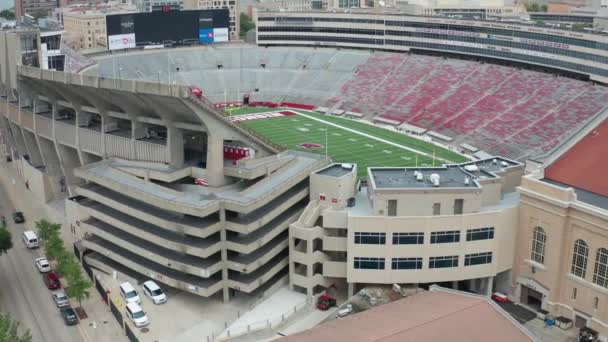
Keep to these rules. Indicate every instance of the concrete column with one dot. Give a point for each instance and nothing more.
(224, 252)
(489, 285)
(175, 148)
(455, 285)
(215, 160)
(351, 290)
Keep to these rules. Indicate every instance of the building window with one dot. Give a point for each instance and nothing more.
(445, 237)
(579, 258)
(458, 205)
(539, 238)
(406, 264)
(362, 238)
(443, 261)
(574, 293)
(480, 234)
(478, 259)
(408, 238)
(392, 207)
(369, 263)
(600, 272)
(596, 302)
(436, 208)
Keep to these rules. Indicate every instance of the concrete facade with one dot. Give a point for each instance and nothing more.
(405, 225)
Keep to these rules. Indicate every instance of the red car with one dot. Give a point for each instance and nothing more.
(51, 281)
(499, 297)
(196, 91)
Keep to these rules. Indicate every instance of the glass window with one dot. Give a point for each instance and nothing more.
(443, 261)
(600, 272)
(406, 264)
(478, 259)
(539, 238)
(369, 263)
(363, 238)
(436, 208)
(445, 236)
(579, 258)
(480, 234)
(408, 238)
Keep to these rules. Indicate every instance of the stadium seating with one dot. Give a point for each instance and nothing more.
(503, 110)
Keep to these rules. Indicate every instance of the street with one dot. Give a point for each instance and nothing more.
(22, 292)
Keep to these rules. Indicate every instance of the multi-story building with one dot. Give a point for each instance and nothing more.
(561, 261)
(231, 5)
(85, 27)
(408, 226)
(159, 5)
(44, 7)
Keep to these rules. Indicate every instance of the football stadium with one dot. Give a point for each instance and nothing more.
(341, 150)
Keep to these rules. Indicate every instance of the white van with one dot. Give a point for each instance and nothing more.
(30, 239)
(127, 291)
(137, 315)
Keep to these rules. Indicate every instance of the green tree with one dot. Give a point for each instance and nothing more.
(78, 288)
(9, 330)
(543, 8)
(7, 14)
(53, 246)
(6, 241)
(47, 229)
(246, 24)
(39, 14)
(66, 264)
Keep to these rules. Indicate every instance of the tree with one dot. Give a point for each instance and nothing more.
(37, 14)
(66, 265)
(54, 247)
(47, 229)
(7, 14)
(78, 288)
(543, 8)
(246, 24)
(6, 241)
(9, 330)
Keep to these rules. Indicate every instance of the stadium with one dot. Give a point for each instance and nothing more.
(303, 155)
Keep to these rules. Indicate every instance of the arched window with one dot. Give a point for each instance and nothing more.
(600, 272)
(539, 238)
(579, 258)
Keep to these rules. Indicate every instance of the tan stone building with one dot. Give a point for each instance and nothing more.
(561, 262)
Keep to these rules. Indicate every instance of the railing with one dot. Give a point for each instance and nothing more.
(27, 119)
(267, 324)
(90, 140)
(65, 133)
(118, 146)
(43, 126)
(145, 151)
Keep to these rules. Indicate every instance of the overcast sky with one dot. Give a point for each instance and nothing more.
(6, 4)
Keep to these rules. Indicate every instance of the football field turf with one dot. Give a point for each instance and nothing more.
(305, 134)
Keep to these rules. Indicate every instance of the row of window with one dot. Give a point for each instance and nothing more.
(318, 40)
(417, 238)
(580, 257)
(488, 30)
(479, 40)
(450, 261)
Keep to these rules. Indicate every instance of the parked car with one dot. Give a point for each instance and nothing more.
(325, 302)
(137, 315)
(60, 299)
(51, 281)
(499, 297)
(196, 91)
(128, 293)
(347, 310)
(43, 265)
(18, 217)
(69, 316)
(154, 292)
(30, 239)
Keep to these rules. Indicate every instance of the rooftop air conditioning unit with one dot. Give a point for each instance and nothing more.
(471, 168)
(434, 179)
(419, 176)
(347, 166)
(504, 163)
(494, 161)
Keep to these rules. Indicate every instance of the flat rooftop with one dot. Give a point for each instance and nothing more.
(487, 167)
(399, 178)
(335, 170)
(438, 315)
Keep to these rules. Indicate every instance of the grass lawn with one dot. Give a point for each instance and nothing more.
(246, 110)
(345, 146)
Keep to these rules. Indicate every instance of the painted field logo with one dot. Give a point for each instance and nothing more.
(310, 145)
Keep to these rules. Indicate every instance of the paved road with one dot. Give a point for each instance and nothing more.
(22, 293)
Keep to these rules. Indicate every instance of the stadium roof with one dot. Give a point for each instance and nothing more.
(583, 166)
(437, 315)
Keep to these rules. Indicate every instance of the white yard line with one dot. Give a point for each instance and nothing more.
(373, 137)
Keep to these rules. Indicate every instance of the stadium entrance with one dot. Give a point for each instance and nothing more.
(195, 148)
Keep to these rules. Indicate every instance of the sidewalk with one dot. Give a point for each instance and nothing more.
(100, 326)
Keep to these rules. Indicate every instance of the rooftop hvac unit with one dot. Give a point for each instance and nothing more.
(494, 161)
(434, 179)
(347, 166)
(419, 176)
(504, 163)
(471, 168)
(467, 181)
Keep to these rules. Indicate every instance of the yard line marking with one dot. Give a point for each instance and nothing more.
(373, 137)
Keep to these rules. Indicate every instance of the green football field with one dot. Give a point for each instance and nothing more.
(345, 146)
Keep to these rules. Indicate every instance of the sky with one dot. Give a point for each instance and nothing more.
(6, 4)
